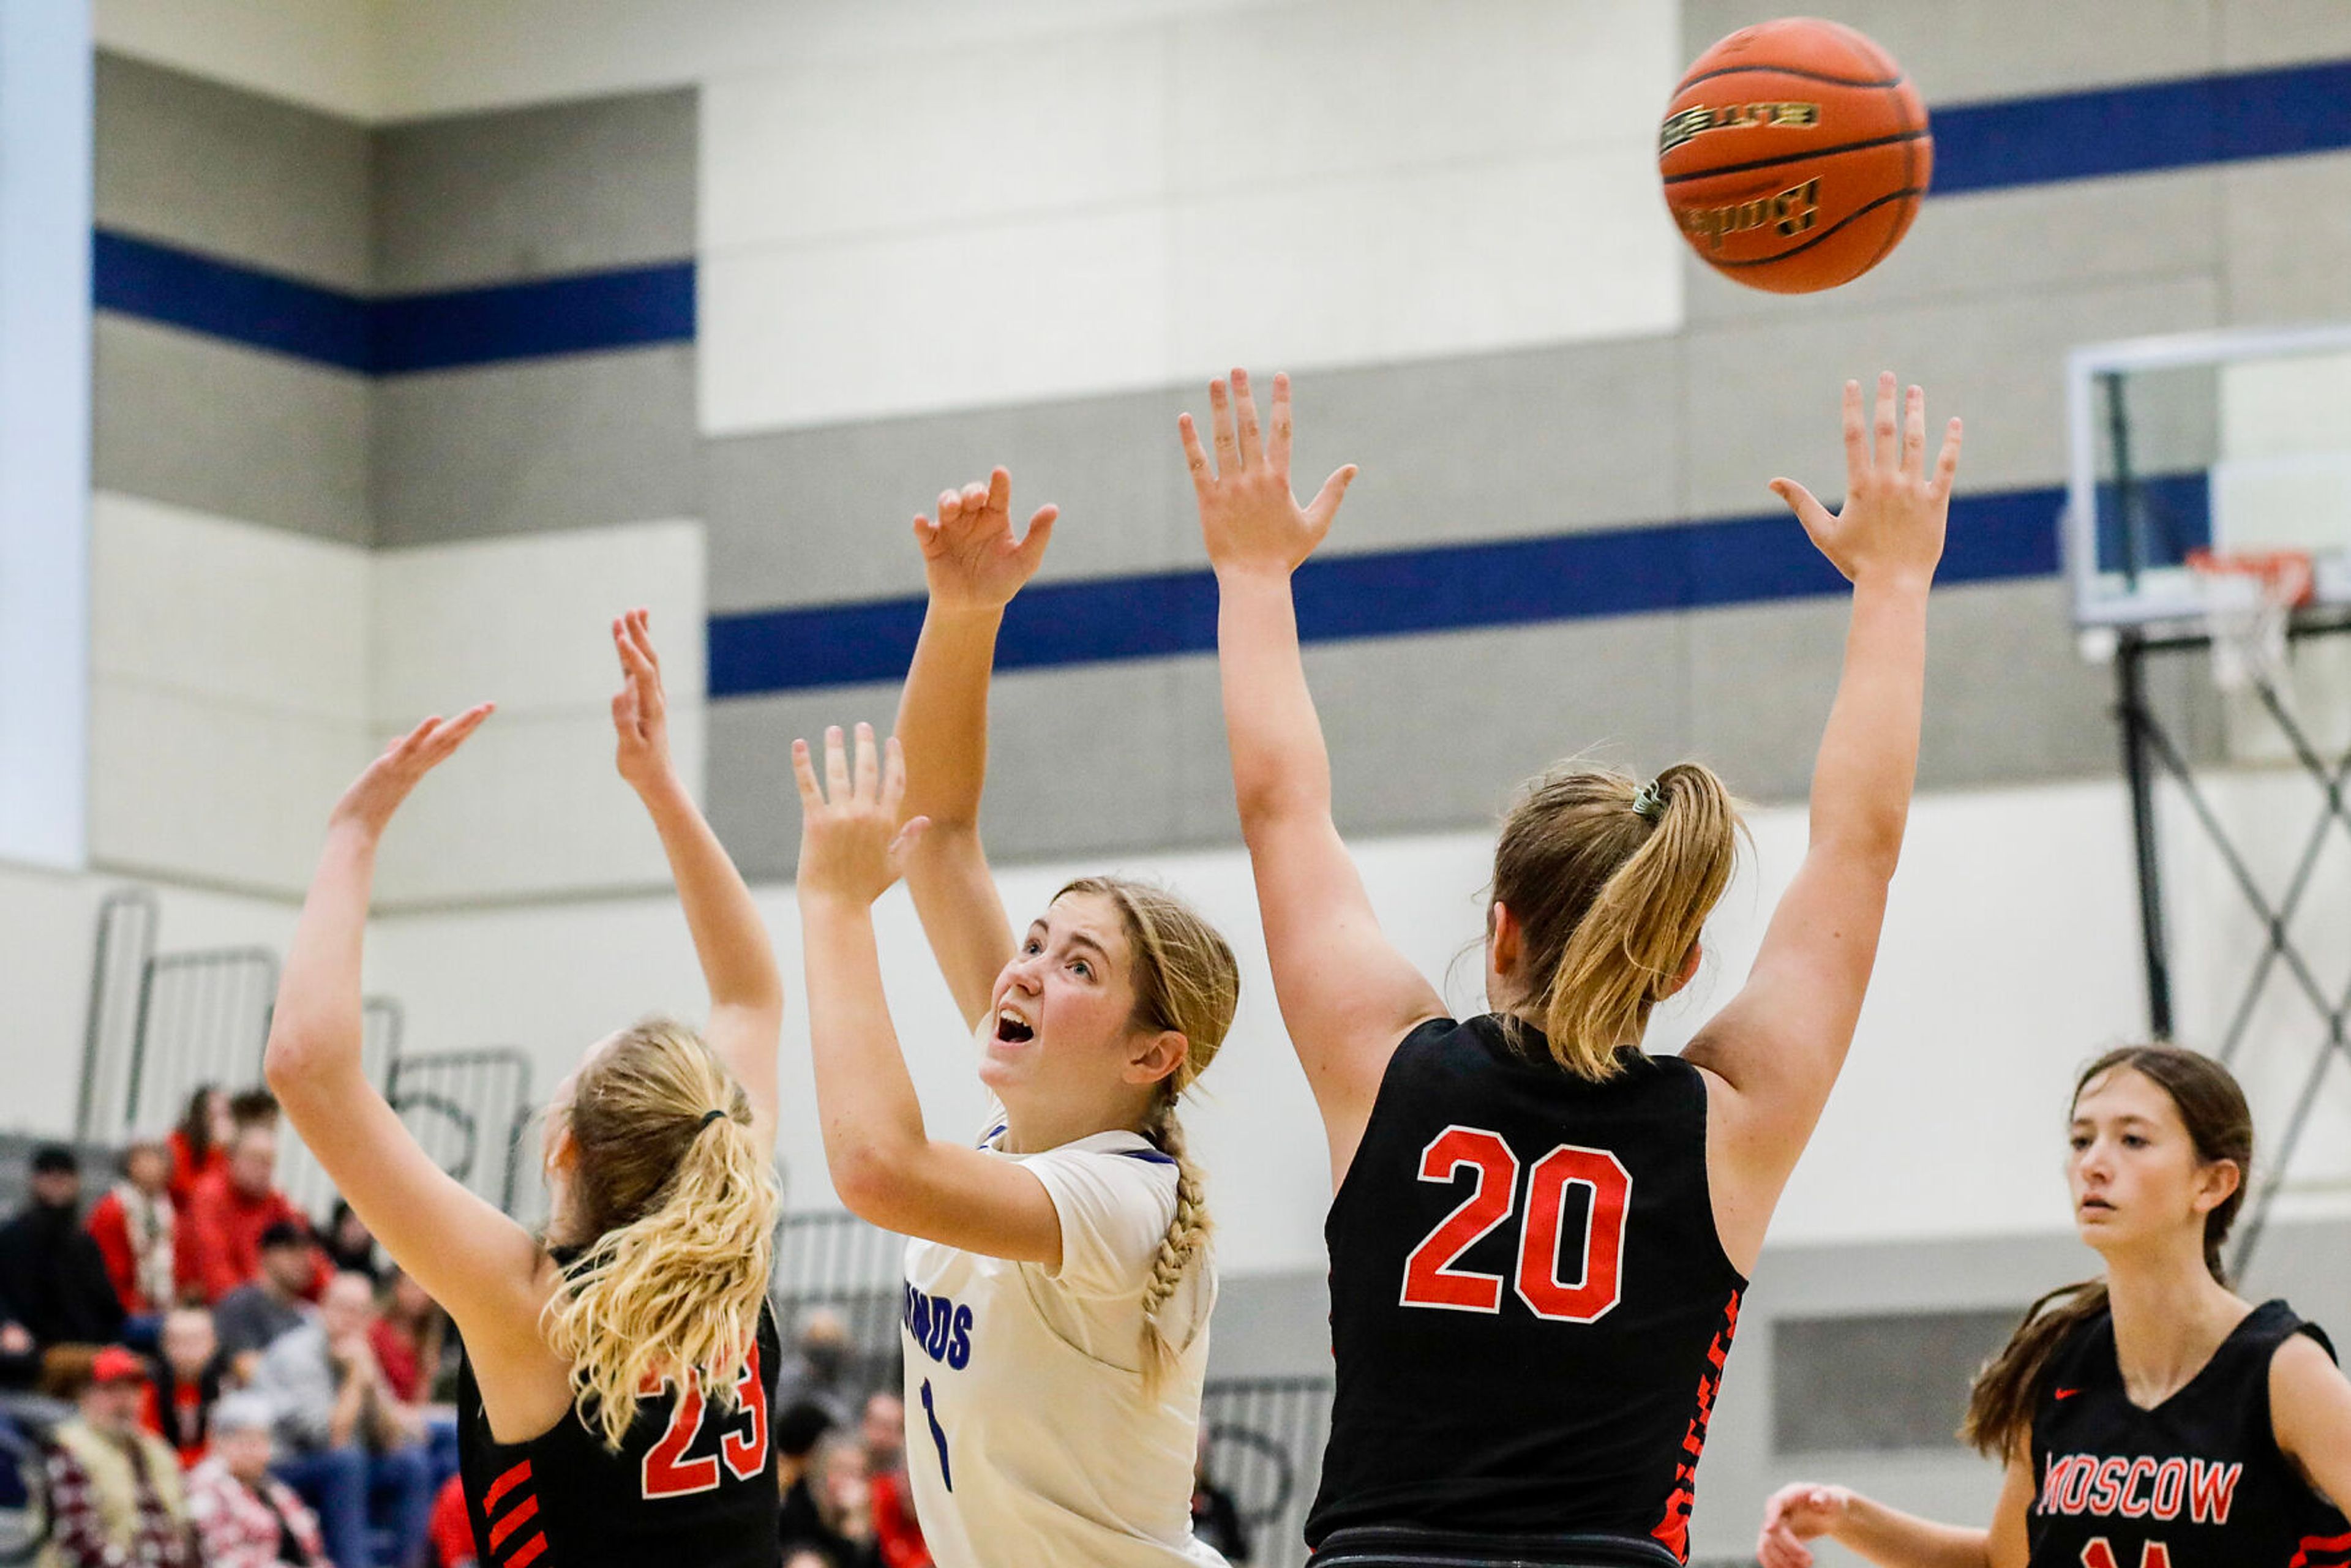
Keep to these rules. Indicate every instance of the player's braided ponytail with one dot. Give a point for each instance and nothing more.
(1184, 980)
(2221, 1124)
(672, 1209)
(1611, 882)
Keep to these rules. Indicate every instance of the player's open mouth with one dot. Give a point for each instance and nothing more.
(1012, 1030)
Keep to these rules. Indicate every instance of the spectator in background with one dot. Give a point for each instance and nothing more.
(250, 1318)
(796, 1433)
(53, 1283)
(199, 1144)
(219, 1242)
(838, 1522)
(349, 1245)
(115, 1498)
(818, 1372)
(449, 1534)
(410, 1339)
(243, 1516)
(897, 1536)
(1215, 1517)
(350, 1448)
(187, 1379)
(132, 1227)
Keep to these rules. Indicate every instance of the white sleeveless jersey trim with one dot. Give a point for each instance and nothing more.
(1029, 1443)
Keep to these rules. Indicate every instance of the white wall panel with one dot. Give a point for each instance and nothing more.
(1353, 86)
(921, 141)
(1409, 266)
(323, 53)
(531, 807)
(188, 787)
(865, 329)
(229, 611)
(526, 620)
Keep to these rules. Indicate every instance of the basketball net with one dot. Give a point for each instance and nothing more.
(2249, 599)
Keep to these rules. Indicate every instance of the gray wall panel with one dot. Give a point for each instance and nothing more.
(544, 443)
(569, 187)
(191, 162)
(1765, 394)
(2267, 32)
(1987, 245)
(2287, 226)
(209, 426)
(806, 517)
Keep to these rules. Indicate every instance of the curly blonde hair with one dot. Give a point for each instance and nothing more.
(674, 1206)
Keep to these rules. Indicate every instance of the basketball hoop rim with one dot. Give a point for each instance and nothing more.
(2288, 577)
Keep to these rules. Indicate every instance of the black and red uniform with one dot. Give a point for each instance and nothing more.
(694, 1482)
(2196, 1482)
(1529, 1307)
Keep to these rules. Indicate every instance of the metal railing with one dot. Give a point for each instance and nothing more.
(469, 1110)
(1265, 1447)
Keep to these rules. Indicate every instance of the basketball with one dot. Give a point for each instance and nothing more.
(1794, 154)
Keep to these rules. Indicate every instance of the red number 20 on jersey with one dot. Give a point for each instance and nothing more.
(1430, 1279)
(667, 1470)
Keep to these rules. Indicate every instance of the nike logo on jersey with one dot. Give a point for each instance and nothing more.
(2067, 1392)
(939, 1328)
(2141, 1488)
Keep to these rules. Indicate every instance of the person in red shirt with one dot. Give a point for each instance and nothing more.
(199, 1144)
(449, 1537)
(896, 1533)
(133, 1226)
(408, 1336)
(187, 1380)
(219, 1242)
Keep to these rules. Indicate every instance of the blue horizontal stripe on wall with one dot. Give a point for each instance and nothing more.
(2142, 127)
(621, 308)
(1391, 593)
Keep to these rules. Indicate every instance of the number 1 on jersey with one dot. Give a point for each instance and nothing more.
(1430, 1279)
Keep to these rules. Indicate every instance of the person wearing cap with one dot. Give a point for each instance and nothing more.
(53, 1285)
(243, 1516)
(115, 1496)
(252, 1317)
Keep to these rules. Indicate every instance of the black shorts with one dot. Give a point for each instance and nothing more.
(1387, 1546)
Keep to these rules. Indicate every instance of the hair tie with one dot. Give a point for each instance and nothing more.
(1649, 802)
(708, 1117)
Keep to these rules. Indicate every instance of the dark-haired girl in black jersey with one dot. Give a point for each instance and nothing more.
(2152, 1418)
(1539, 1234)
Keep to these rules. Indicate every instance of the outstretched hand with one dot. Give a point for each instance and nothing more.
(1894, 513)
(377, 793)
(850, 844)
(640, 708)
(970, 560)
(1796, 1514)
(1247, 515)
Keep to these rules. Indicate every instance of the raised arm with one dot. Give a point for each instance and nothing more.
(1888, 1536)
(1776, 1049)
(974, 565)
(2310, 1411)
(1347, 996)
(739, 958)
(885, 1167)
(473, 1259)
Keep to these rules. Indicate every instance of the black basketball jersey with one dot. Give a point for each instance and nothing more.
(2196, 1482)
(693, 1484)
(1529, 1306)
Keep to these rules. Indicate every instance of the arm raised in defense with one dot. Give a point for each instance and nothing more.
(1347, 996)
(974, 566)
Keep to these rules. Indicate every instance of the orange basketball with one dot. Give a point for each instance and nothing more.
(1794, 154)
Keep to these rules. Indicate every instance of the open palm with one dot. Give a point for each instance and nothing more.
(970, 558)
(1248, 518)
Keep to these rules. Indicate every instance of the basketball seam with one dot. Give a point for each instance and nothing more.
(1801, 157)
(1796, 72)
(1833, 229)
(1909, 178)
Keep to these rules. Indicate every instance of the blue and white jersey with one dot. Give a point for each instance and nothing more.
(1029, 1441)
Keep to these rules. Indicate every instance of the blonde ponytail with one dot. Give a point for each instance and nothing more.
(1186, 980)
(677, 1207)
(1611, 883)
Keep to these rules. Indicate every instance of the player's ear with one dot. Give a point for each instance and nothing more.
(1155, 1056)
(1688, 972)
(1505, 938)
